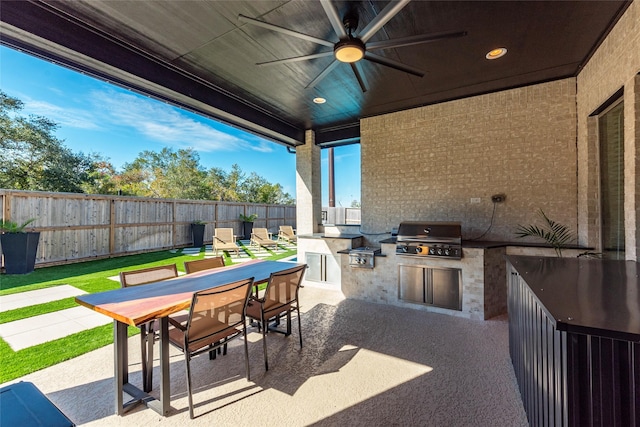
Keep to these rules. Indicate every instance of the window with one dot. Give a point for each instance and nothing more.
(611, 139)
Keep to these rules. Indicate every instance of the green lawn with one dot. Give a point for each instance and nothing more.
(91, 277)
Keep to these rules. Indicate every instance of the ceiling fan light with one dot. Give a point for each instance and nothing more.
(349, 50)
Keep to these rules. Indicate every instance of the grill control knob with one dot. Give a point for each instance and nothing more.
(439, 251)
(447, 251)
(432, 251)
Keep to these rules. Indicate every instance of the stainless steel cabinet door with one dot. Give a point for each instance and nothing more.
(446, 287)
(411, 283)
(315, 271)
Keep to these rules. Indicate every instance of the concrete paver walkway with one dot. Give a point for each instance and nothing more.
(40, 296)
(51, 326)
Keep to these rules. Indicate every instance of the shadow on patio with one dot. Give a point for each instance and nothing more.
(361, 364)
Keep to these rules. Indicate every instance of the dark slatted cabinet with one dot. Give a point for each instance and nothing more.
(574, 339)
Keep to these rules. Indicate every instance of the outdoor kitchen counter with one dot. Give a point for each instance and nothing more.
(488, 244)
(330, 236)
(600, 297)
(574, 339)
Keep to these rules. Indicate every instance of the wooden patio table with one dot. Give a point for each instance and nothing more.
(137, 305)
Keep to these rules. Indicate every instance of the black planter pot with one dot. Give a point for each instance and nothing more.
(247, 229)
(19, 250)
(197, 231)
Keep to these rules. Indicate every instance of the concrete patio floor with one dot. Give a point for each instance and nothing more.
(362, 364)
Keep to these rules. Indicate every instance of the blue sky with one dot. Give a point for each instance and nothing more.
(97, 117)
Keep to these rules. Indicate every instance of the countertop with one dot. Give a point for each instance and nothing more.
(598, 297)
(488, 244)
(329, 236)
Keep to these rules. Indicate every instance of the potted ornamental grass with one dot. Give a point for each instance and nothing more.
(197, 232)
(18, 246)
(247, 224)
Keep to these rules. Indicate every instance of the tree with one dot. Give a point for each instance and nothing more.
(32, 158)
(224, 186)
(101, 179)
(256, 189)
(167, 174)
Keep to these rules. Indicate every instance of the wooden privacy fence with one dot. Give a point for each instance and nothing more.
(76, 227)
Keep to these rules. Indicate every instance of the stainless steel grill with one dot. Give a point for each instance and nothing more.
(430, 239)
(363, 257)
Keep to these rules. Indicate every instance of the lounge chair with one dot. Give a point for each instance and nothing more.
(261, 237)
(287, 234)
(224, 240)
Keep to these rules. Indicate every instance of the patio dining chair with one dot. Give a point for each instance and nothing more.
(261, 237)
(224, 240)
(147, 334)
(203, 264)
(280, 298)
(217, 316)
(287, 234)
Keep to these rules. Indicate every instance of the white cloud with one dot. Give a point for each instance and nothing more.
(162, 122)
(70, 117)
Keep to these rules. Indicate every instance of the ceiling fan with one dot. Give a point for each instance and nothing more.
(351, 48)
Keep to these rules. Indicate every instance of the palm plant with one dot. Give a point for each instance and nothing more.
(7, 226)
(554, 233)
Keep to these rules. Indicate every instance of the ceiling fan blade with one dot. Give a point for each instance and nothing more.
(286, 31)
(334, 18)
(296, 58)
(323, 74)
(383, 17)
(355, 66)
(393, 64)
(411, 40)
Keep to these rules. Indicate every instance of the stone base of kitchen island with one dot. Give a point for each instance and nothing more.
(484, 288)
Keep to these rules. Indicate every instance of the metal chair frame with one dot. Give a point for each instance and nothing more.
(218, 333)
(147, 334)
(277, 303)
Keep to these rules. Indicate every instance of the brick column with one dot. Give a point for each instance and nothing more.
(308, 186)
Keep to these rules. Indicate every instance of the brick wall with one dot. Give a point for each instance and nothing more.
(614, 66)
(308, 186)
(428, 163)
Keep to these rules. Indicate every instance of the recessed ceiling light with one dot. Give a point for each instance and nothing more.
(497, 53)
(319, 100)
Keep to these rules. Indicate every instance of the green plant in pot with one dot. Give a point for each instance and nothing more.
(555, 234)
(19, 247)
(197, 233)
(247, 224)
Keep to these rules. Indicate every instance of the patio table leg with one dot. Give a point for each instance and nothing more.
(121, 372)
(165, 383)
(121, 363)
